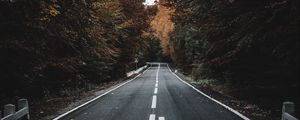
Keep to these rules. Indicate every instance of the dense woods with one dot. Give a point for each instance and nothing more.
(49, 46)
(250, 44)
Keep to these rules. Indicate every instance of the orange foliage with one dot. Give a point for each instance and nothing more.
(163, 25)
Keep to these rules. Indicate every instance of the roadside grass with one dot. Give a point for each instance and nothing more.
(226, 93)
(47, 108)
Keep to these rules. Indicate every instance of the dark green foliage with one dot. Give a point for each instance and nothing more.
(154, 50)
(243, 42)
(250, 45)
(48, 46)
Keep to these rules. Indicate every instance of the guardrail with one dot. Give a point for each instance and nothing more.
(10, 112)
(136, 71)
(288, 108)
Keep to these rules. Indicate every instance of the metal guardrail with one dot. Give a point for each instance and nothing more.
(136, 71)
(288, 108)
(10, 112)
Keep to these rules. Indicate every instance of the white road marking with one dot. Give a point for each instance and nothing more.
(155, 91)
(152, 117)
(154, 101)
(225, 106)
(157, 72)
(82, 105)
(161, 118)
(156, 85)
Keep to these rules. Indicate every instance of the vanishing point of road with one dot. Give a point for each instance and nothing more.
(157, 94)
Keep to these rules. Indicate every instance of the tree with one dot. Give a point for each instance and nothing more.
(240, 42)
(48, 46)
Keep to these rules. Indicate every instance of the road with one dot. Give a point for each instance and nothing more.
(155, 95)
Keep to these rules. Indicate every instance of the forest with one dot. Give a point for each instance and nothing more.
(51, 47)
(48, 47)
(252, 46)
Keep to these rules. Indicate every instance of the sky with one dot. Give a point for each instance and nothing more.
(149, 2)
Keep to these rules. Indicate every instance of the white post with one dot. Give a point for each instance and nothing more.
(22, 103)
(9, 109)
(287, 107)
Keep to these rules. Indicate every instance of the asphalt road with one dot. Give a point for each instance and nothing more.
(155, 95)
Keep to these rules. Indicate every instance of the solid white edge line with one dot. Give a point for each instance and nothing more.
(88, 102)
(152, 117)
(225, 106)
(154, 98)
(161, 118)
(155, 91)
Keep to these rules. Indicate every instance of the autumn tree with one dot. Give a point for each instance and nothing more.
(49, 46)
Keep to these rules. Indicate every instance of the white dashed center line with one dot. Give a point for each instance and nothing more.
(154, 98)
(157, 72)
(153, 102)
(161, 118)
(152, 117)
(155, 91)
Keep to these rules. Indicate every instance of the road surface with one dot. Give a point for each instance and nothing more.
(155, 95)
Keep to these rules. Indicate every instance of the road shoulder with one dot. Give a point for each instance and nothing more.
(250, 110)
(50, 108)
